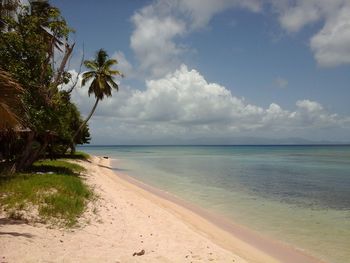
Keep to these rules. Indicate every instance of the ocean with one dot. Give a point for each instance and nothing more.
(299, 195)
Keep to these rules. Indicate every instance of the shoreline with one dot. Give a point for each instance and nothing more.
(189, 215)
(135, 223)
(222, 231)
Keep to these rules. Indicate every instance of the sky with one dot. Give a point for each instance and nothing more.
(216, 71)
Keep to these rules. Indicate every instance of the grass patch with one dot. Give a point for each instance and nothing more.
(77, 155)
(81, 155)
(60, 196)
(57, 166)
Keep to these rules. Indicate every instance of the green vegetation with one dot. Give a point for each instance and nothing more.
(37, 117)
(38, 120)
(53, 189)
(79, 155)
(57, 166)
(102, 83)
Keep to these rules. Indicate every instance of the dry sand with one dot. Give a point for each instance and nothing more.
(130, 219)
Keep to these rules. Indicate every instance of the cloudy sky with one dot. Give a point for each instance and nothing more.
(216, 70)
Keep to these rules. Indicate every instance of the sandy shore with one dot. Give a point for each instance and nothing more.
(131, 218)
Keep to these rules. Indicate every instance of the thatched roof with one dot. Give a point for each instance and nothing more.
(10, 102)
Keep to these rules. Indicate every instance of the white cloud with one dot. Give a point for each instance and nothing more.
(183, 104)
(201, 12)
(153, 39)
(180, 103)
(294, 18)
(160, 25)
(123, 64)
(185, 98)
(309, 106)
(160, 28)
(331, 45)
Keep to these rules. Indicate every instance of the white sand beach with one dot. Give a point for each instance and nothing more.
(131, 220)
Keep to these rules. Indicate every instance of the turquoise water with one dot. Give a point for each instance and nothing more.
(297, 194)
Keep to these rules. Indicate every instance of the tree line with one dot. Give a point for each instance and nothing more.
(37, 116)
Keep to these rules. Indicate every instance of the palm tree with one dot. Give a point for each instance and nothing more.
(102, 83)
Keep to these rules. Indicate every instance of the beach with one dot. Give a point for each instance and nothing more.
(133, 224)
(297, 195)
(199, 131)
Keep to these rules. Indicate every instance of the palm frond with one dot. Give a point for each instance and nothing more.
(108, 90)
(92, 87)
(109, 63)
(115, 72)
(8, 119)
(101, 57)
(90, 64)
(87, 76)
(11, 105)
(112, 82)
(102, 75)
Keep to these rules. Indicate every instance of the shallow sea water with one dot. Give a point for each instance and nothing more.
(297, 194)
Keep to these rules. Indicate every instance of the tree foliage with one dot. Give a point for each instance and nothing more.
(101, 76)
(27, 49)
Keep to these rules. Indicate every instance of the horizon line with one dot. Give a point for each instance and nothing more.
(311, 144)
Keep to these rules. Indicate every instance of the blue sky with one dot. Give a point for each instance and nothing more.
(217, 69)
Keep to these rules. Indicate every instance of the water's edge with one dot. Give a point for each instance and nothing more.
(275, 248)
(297, 194)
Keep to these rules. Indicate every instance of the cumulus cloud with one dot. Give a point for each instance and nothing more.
(123, 64)
(159, 27)
(184, 97)
(183, 104)
(200, 12)
(153, 39)
(330, 45)
(179, 102)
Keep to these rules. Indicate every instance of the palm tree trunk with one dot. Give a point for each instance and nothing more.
(87, 119)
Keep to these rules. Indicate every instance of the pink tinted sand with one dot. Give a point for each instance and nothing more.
(132, 217)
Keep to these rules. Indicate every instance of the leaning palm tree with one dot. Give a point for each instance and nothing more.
(102, 83)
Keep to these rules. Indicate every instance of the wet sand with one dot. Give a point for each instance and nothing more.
(133, 222)
(277, 250)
